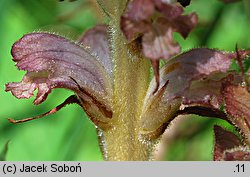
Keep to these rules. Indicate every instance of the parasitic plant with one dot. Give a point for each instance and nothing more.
(108, 69)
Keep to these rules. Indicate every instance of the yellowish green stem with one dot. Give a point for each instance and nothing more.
(131, 78)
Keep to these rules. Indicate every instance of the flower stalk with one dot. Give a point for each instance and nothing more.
(131, 79)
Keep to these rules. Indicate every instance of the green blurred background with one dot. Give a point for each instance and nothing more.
(68, 134)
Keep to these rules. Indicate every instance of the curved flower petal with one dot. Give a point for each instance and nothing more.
(157, 34)
(140, 10)
(224, 140)
(228, 146)
(151, 24)
(237, 104)
(99, 35)
(51, 62)
(158, 43)
(185, 75)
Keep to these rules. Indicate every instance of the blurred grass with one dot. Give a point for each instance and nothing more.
(69, 135)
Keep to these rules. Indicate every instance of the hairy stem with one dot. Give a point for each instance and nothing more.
(131, 78)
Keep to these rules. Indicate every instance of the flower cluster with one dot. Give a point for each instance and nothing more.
(198, 81)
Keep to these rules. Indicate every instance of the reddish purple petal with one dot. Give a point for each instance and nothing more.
(154, 21)
(195, 68)
(138, 10)
(132, 30)
(99, 35)
(57, 59)
(205, 92)
(31, 82)
(184, 24)
(158, 43)
(157, 34)
(237, 103)
(224, 140)
(169, 10)
(51, 62)
(194, 78)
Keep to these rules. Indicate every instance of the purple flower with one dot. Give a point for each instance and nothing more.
(52, 61)
(108, 71)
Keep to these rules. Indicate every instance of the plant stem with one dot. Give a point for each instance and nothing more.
(131, 78)
(130, 85)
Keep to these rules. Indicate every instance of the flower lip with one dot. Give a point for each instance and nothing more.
(52, 62)
(195, 78)
(99, 35)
